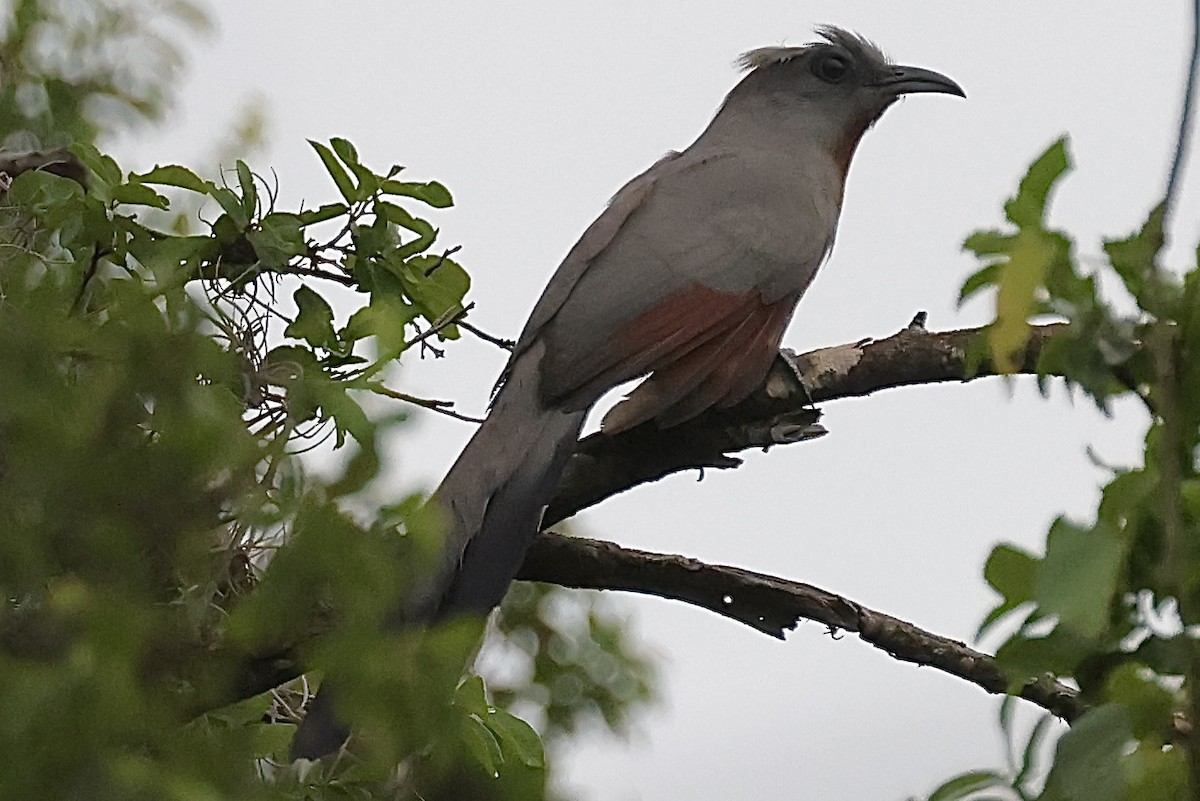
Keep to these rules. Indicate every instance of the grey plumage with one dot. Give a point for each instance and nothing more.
(690, 275)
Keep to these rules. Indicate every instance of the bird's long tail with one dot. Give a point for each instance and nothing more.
(496, 492)
(494, 496)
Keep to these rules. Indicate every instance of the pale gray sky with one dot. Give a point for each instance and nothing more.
(534, 113)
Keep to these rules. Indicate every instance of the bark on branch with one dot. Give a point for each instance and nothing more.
(775, 606)
(778, 413)
(59, 162)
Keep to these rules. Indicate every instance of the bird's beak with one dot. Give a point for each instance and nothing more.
(909, 80)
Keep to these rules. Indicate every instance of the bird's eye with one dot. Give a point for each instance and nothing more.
(831, 68)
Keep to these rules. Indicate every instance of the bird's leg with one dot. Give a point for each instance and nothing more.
(789, 357)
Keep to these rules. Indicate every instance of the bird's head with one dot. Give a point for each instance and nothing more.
(835, 88)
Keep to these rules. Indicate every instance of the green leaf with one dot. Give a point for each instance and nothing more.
(988, 243)
(368, 182)
(1033, 749)
(102, 167)
(346, 413)
(314, 320)
(1059, 653)
(1010, 572)
(226, 231)
(385, 317)
(482, 744)
(1028, 207)
(517, 738)
(1134, 257)
(373, 240)
(966, 784)
(344, 150)
(436, 285)
(431, 193)
(1136, 688)
(1188, 317)
(135, 194)
(1167, 655)
(243, 712)
(1073, 295)
(978, 281)
(270, 739)
(278, 239)
(173, 175)
(38, 190)
(396, 214)
(171, 256)
(1157, 774)
(231, 204)
(364, 465)
(249, 191)
(471, 696)
(327, 212)
(1018, 279)
(1087, 761)
(1007, 709)
(336, 171)
(1078, 577)
(426, 233)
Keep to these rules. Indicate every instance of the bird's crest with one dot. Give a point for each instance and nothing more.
(859, 46)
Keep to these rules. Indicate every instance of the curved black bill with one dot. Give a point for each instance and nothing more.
(909, 80)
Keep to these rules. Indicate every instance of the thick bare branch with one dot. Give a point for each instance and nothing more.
(774, 606)
(778, 413)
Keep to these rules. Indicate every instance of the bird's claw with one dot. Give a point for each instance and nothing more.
(787, 433)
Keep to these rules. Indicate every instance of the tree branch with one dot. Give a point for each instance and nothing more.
(60, 162)
(774, 606)
(778, 413)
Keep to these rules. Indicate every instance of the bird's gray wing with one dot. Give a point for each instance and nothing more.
(697, 283)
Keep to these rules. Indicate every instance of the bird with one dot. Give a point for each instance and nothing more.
(686, 280)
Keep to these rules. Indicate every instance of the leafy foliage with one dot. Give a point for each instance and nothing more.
(166, 551)
(73, 69)
(1112, 604)
(155, 402)
(575, 651)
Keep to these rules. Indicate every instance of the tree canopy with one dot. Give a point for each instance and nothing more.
(176, 573)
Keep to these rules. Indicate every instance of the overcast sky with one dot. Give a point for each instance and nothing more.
(534, 113)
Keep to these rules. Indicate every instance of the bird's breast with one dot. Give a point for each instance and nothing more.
(778, 216)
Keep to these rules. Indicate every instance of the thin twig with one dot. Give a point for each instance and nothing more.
(353, 212)
(439, 406)
(1185, 117)
(441, 260)
(441, 324)
(313, 272)
(90, 273)
(506, 344)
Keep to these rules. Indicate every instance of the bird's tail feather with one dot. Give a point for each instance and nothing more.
(321, 732)
(494, 496)
(497, 491)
